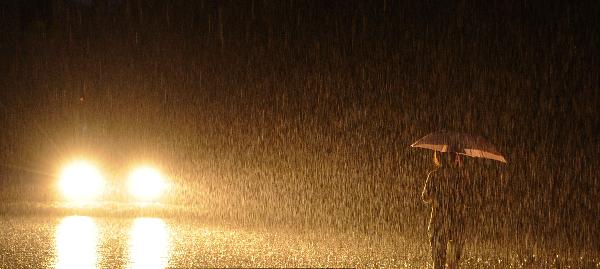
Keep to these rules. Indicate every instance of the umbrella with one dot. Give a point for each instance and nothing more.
(461, 143)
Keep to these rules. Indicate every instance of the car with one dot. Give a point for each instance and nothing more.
(81, 182)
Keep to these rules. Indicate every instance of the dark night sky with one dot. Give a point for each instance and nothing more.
(325, 96)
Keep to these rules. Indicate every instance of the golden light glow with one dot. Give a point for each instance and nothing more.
(80, 181)
(149, 244)
(146, 183)
(76, 241)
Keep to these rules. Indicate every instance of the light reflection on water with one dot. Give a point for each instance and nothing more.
(148, 244)
(76, 243)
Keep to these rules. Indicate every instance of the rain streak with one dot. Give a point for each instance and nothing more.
(268, 133)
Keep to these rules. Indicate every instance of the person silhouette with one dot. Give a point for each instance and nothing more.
(443, 192)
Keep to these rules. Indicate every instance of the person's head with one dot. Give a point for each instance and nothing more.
(446, 159)
(436, 159)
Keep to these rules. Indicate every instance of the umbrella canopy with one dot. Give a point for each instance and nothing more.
(461, 143)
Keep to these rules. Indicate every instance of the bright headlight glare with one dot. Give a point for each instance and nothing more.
(81, 181)
(146, 183)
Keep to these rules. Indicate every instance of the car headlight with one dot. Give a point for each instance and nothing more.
(146, 183)
(81, 181)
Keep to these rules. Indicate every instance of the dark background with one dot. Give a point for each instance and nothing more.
(302, 112)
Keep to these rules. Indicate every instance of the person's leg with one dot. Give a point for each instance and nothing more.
(438, 250)
(451, 255)
(456, 246)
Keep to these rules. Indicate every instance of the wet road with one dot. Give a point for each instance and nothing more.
(87, 242)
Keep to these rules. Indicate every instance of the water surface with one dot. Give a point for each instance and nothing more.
(89, 242)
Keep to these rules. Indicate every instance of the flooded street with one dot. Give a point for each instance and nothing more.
(86, 242)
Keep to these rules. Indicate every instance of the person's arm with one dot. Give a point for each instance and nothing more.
(427, 195)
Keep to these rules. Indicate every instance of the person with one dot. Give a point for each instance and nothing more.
(442, 191)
